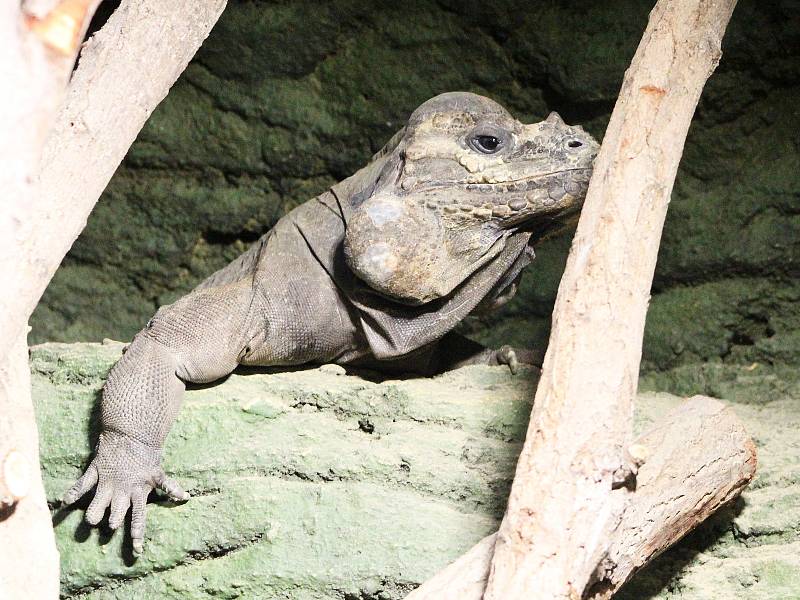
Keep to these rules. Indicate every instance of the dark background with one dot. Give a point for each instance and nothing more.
(286, 98)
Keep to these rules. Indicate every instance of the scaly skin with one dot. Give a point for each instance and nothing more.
(375, 271)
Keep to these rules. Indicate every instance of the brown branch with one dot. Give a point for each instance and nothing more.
(568, 495)
(63, 27)
(36, 57)
(29, 565)
(700, 458)
(125, 70)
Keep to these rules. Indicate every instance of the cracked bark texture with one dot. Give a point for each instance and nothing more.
(571, 487)
(293, 497)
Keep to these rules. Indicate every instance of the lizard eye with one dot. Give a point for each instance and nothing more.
(575, 143)
(486, 144)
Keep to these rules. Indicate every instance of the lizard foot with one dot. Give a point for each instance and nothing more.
(125, 471)
(514, 357)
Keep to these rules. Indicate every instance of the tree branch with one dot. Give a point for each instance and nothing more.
(701, 458)
(573, 477)
(37, 51)
(125, 70)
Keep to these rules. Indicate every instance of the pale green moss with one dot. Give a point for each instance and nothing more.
(295, 497)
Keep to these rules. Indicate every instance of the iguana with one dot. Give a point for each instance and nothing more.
(376, 272)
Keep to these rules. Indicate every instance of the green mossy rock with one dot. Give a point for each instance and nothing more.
(319, 485)
(286, 98)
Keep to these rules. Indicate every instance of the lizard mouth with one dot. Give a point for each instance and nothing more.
(516, 203)
(522, 184)
(525, 184)
(540, 222)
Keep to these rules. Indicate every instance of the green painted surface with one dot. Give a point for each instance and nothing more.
(313, 484)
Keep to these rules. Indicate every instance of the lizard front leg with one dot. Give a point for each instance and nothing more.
(454, 351)
(197, 339)
(140, 401)
(451, 352)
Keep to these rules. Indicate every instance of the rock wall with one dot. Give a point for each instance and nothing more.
(286, 98)
(319, 485)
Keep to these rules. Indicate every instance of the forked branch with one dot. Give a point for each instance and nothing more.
(700, 458)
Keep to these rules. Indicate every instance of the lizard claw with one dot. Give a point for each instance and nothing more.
(101, 500)
(120, 502)
(516, 357)
(506, 355)
(138, 502)
(138, 512)
(170, 487)
(86, 482)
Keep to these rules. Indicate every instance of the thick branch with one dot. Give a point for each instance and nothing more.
(567, 498)
(125, 70)
(700, 458)
(37, 50)
(28, 555)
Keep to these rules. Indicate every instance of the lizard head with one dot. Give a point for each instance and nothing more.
(453, 185)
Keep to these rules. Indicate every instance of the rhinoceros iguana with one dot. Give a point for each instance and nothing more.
(376, 271)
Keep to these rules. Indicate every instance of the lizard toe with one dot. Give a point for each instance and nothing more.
(171, 487)
(85, 482)
(101, 500)
(119, 508)
(508, 356)
(138, 518)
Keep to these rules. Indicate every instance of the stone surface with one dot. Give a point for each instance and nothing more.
(313, 484)
(284, 99)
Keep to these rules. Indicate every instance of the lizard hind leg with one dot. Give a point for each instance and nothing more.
(454, 351)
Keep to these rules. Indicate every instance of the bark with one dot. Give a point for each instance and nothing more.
(35, 62)
(28, 555)
(125, 70)
(700, 458)
(38, 47)
(570, 487)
